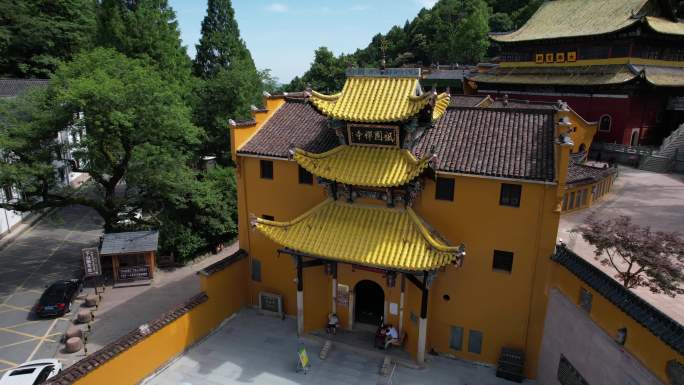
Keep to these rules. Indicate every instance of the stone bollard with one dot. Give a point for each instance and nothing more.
(84, 316)
(92, 300)
(73, 331)
(74, 344)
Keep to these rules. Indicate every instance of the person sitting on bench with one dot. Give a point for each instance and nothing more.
(392, 336)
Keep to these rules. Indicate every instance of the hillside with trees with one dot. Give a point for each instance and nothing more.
(452, 31)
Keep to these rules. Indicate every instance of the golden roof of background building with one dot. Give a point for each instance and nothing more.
(377, 236)
(572, 18)
(662, 76)
(376, 99)
(577, 75)
(364, 166)
(665, 26)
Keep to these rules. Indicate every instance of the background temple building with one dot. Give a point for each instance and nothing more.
(617, 62)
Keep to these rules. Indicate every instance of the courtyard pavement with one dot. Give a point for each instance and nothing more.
(262, 350)
(650, 199)
(49, 251)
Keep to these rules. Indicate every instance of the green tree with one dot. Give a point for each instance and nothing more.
(35, 35)
(207, 217)
(326, 74)
(138, 140)
(230, 81)
(500, 22)
(146, 30)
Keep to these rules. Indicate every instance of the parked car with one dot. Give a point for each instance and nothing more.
(32, 372)
(56, 299)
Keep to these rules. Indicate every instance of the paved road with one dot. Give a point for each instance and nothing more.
(47, 252)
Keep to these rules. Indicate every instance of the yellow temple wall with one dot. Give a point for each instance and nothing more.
(582, 132)
(285, 199)
(481, 298)
(650, 350)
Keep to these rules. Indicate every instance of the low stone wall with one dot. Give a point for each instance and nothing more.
(138, 354)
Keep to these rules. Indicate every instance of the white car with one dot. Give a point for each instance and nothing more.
(32, 372)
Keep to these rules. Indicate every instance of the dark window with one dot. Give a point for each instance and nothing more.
(268, 217)
(605, 123)
(305, 177)
(256, 270)
(571, 203)
(568, 375)
(456, 342)
(21, 372)
(585, 194)
(510, 195)
(475, 341)
(565, 201)
(578, 202)
(585, 299)
(503, 261)
(266, 169)
(43, 375)
(444, 189)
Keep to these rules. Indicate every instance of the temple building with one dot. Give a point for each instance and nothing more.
(384, 203)
(616, 62)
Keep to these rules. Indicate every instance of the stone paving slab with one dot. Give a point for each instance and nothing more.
(262, 350)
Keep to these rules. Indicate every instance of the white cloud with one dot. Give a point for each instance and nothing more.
(426, 3)
(360, 7)
(277, 7)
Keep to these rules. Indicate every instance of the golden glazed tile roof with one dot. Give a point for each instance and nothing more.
(364, 166)
(368, 235)
(665, 26)
(663, 76)
(375, 99)
(572, 18)
(579, 75)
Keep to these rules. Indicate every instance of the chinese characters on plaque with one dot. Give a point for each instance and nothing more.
(91, 262)
(374, 135)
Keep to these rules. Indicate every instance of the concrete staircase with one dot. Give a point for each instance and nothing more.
(663, 159)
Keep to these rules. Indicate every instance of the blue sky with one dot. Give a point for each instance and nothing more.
(282, 35)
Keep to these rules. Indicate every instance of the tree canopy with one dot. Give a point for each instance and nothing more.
(146, 30)
(36, 35)
(230, 83)
(640, 257)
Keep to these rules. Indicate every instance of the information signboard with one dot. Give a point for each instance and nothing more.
(91, 262)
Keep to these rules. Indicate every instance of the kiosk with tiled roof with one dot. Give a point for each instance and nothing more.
(617, 62)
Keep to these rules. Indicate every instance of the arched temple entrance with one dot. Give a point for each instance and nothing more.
(369, 302)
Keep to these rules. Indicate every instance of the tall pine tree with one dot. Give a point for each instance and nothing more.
(35, 35)
(231, 82)
(147, 30)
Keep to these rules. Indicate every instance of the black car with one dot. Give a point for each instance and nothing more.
(57, 298)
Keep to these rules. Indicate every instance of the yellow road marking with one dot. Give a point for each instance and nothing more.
(35, 350)
(8, 363)
(18, 343)
(22, 324)
(25, 308)
(19, 333)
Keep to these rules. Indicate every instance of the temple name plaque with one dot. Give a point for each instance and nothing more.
(367, 135)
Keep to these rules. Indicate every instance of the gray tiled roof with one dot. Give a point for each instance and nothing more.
(10, 88)
(130, 242)
(668, 330)
(296, 123)
(466, 100)
(506, 143)
(579, 174)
